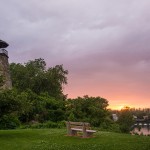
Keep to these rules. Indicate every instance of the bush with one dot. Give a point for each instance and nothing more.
(9, 122)
(51, 124)
(124, 128)
(125, 120)
(48, 124)
(112, 127)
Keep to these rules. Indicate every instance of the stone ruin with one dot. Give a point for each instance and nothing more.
(4, 67)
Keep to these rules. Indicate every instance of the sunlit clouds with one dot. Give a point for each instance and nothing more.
(104, 44)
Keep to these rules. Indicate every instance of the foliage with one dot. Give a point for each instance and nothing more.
(88, 109)
(139, 113)
(33, 75)
(28, 106)
(40, 107)
(71, 117)
(109, 125)
(37, 94)
(48, 124)
(9, 122)
(125, 120)
(9, 102)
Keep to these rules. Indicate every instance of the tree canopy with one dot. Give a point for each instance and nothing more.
(89, 109)
(34, 75)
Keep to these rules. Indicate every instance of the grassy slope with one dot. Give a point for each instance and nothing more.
(55, 139)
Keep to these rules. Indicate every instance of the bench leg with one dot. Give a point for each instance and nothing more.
(87, 134)
(69, 132)
(68, 129)
(73, 133)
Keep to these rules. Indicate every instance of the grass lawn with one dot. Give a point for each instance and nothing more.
(55, 139)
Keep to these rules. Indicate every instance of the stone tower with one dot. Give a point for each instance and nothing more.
(4, 67)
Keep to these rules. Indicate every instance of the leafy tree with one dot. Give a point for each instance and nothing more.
(49, 108)
(40, 108)
(125, 120)
(28, 106)
(8, 102)
(19, 76)
(34, 75)
(57, 78)
(37, 94)
(90, 109)
(9, 108)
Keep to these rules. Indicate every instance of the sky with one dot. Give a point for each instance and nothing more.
(105, 45)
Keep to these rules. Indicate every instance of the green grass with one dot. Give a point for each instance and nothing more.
(55, 139)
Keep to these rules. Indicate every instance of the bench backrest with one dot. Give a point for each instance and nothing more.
(78, 125)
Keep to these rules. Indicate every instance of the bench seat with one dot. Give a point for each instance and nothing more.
(93, 131)
(75, 129)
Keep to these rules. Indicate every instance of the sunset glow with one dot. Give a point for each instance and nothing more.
(103, 44)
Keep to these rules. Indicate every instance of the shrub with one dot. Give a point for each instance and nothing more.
(113, 127)
(124, 128)
(48, 124)
(125, 120)
(9, 122)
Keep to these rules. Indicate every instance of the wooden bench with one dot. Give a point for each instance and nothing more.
(74, 127)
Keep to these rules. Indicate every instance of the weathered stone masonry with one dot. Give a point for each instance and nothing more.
(4, 66)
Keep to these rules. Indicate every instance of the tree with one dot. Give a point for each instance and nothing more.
(125, 120)
(9, 108)
(19, 76)
(56, 76)
(8, 102)
(40, 108)
(28, 106)
(37, 93)
(88, 109)
(34, 75)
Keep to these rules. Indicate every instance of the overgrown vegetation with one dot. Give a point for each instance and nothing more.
(87, 109)
(125, 120)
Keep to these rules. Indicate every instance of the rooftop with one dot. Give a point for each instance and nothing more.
(3, 44)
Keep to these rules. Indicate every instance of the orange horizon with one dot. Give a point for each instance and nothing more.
(117, 104)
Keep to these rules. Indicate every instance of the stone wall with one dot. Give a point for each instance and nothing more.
(4, 72)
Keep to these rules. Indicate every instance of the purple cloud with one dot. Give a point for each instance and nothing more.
(104, 45)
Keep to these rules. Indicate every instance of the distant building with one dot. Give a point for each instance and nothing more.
(134, 117)
(4, 67)
(145, 117)
(115, 117)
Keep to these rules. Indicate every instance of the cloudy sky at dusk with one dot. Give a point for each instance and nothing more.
(105, 44)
